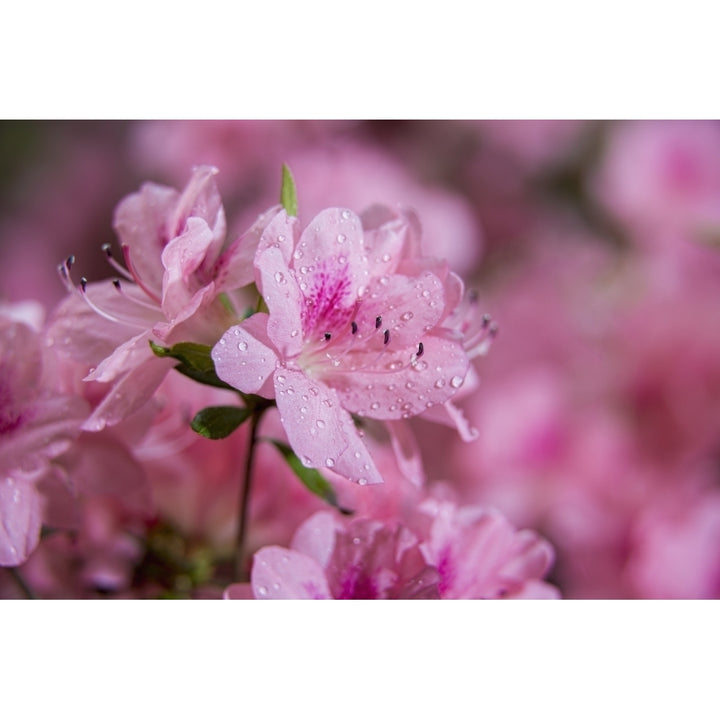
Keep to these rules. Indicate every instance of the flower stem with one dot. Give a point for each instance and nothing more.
(15, 573)
(241, 572)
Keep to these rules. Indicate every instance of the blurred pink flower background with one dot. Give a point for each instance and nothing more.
(594, 471)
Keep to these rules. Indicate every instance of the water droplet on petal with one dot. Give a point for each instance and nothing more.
(320, 423)
(279, 277)
(345, 214)
(407, 316)
(281, 238)
(439, 383)
(456, 381)
(341, 238)
(242, 346)
(375, 406)
(386, 257)
(306, 461)
(362, 481)
(330, 462)
(262, 590)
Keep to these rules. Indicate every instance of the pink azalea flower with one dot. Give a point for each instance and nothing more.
(172, 244)
(36, 425)
(444, 551)
(479, 554)
(358, 323)
(366, 560)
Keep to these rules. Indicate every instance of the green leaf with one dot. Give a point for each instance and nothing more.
(195, 362)
(219, 421)
(310, 477)
(288, 193)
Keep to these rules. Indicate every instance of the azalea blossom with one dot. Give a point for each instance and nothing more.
(357, 324)
(37, 424)
(170, 290)
(448, 552)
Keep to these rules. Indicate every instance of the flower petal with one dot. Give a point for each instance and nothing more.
(335, 236)
(20, 519)
(282, 295)
(316, 537)
(235, 267)
(320, 431)
(244, 357)
(282, 574)
(395, 386)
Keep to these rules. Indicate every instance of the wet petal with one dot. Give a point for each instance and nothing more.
(396, 385)
(335, 239)
(282, 295)
(244, 357)
(319, 430)
(20, 519)
(282, 574)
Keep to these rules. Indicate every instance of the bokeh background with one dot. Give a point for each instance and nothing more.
(594, 245)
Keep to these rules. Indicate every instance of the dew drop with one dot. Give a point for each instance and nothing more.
(279, 277)
(281, 238)
(320, 423)
(242, 346)
(408, 315)
(222, 341)
(262, 590)
(386, 257)
(456, 381)
(306, 461)
(294, 333)
(357, 455)
(290, 391)
(439, 383)
(345, 214)
(375, 406)
(362, 481)
(420, 365)
(298, 254)
(426, 293)
(330, 462)
(341, 238)
(409, 384)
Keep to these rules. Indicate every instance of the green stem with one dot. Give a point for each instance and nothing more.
(22, 584)
(241, 572)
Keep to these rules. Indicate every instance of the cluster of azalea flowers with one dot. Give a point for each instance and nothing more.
(234, 416)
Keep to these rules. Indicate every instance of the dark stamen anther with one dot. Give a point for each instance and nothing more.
(386, 337)
(473, 296)
(70, 261)
(328, 336)
(353, 326)
(83, 283)
(116, 283)
(106, 249)
(420, 350)
(378, 322)
(493, 330)
(486, 320)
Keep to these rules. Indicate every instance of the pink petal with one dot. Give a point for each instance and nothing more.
(532, 557)
(201, 199)
(389, 236)
(320, 431)
(281, 234)
(282, 574)
(140, 222)
(335, 235)
(20, 520)
(244, 357)
(125, 357)
(407, 452)
(315, 538)
(378, 391)
(129, 393)
(409, 307)
(181, 258)
(282, 295)
(235, 268)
